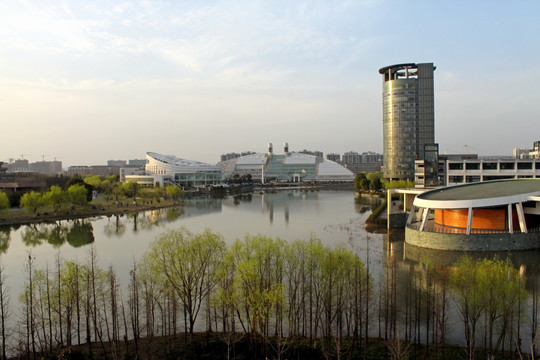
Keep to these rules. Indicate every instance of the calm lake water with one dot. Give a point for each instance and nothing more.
(333, 216)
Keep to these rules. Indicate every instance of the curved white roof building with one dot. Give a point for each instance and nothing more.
(490, 215)
(183, 172)
(291, 166)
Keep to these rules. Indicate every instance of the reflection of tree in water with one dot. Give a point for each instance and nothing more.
(151, 219)
(115, 226)
(4, 239)
(57, 235)
(36, 234)
(242, 198)
(366, 203)
(81, 233)
(174, 213)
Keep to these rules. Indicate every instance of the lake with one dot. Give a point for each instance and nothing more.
(332, 216)
(335, 217)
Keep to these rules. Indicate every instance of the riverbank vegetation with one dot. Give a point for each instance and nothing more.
(261, 297)
(374, 182)
(88, 196)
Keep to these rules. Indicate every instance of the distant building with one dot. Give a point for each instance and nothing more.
(103, 170)
(116, 162)
(22, 181)
(408, 116)
(521, 153)
(47, 167)
(334, 157)
(289, 167)
(365, 162)
(137, 163)
(525, 153)
(314, 153)
(535, 152)
(19, 165)
(162, 169)
(233, 155)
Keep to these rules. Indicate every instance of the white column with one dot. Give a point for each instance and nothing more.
(510, 222)
(469, 221)
(425, 216)
(411, 214)
(521, 217)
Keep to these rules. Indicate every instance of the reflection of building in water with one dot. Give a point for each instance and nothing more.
(407, 255)
(281, 200)
(197, 207)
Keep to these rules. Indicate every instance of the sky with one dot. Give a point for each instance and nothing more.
(84, 82)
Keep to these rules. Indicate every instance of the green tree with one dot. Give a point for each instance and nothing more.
(78, 180)
(398, 184)
(188, 263)
(174, 192)
(4, 201)
(375, 184)
(358, 181)
(77, 194)
(55, 197)
(94, 180)
(31, 202)
(130, 189)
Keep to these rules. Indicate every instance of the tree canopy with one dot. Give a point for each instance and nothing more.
(4, 201)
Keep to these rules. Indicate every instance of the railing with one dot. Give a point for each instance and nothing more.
(450, 230)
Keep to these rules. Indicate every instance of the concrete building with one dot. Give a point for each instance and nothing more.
(334, 157)
(535, 151)
(161, 169)
(289, 167)
(365, 162)
(408, 116)
(492, 215)
(458, 172)
(47, 167)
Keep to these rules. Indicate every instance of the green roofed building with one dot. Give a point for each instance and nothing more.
(288, 167)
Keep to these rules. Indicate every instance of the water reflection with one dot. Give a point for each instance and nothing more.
(366, 203)
(75, 232)
(4, 239)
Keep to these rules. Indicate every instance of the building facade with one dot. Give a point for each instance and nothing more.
(289, 167)
(498, 215)
(408, 116)
(182, 172)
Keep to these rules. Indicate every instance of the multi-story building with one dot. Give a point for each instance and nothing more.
(535, 151)
(334, 157)
(365, 162)
(408, 116)
(470, 171)
(116, 162)
(314, 153)
(47, 167)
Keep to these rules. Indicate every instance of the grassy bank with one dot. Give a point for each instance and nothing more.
(98, 207)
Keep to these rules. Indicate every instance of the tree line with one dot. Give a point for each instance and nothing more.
(374, 182)
(274, 293)
(78, 192)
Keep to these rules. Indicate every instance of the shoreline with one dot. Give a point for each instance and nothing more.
(96, 210)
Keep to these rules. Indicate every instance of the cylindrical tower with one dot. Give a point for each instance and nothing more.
(408, 116)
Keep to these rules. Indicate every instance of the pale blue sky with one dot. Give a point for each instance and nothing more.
(88, 81)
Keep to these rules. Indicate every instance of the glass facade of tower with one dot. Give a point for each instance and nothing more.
(408, 117)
